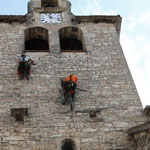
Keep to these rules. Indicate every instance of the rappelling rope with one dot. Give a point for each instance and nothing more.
(95, 119)
(40, 116)
(88, 74)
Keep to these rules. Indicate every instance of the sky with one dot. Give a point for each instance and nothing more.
(134, 37)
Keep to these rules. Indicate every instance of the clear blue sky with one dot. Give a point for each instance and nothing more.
(135, 33)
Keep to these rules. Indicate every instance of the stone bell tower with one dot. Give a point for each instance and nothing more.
(107, 104)
(39, 8)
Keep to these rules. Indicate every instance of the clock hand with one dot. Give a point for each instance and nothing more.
(53, 17)
(58, 18)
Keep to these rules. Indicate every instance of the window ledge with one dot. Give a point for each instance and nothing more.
(74, 51)
(36, 51)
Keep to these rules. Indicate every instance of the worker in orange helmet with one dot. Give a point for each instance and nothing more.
(69, 85)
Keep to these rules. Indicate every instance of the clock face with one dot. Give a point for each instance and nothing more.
(50, 18)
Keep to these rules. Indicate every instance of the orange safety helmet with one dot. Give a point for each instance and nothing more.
(74, 78)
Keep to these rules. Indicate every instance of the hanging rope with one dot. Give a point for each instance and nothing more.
(89, 87)
(24, 119)
(24, 100)
(95, 119)
(40, 116)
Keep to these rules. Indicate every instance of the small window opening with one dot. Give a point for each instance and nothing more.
(92, 114)
(71, 39)
(36, 39)
(68, 144)
(49, 3)
(19, 113)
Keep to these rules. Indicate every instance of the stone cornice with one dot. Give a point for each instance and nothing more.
(12, 18)
(116, 20)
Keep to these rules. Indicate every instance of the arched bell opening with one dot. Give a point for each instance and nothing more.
(36, 39)
(49, 3)
(71, 39)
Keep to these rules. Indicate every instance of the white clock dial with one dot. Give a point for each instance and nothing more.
(50, 18)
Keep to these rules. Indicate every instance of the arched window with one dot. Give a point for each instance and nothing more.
(36, 39)
(71, 39)
(49, 3)
(68, 144)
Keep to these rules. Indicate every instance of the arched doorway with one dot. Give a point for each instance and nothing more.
(68, 144)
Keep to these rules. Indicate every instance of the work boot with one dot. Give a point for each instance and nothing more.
(27, 75)
(28, 78)
(63, 98)
(63, 102)
(20, 77)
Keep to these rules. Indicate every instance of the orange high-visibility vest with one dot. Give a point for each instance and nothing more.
(73, 78)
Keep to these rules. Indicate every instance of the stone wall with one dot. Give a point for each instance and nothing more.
(102, 71)
(142, 140)
(140, 135)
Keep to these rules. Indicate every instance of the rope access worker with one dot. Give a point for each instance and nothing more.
(69, 85)
(24, 66)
